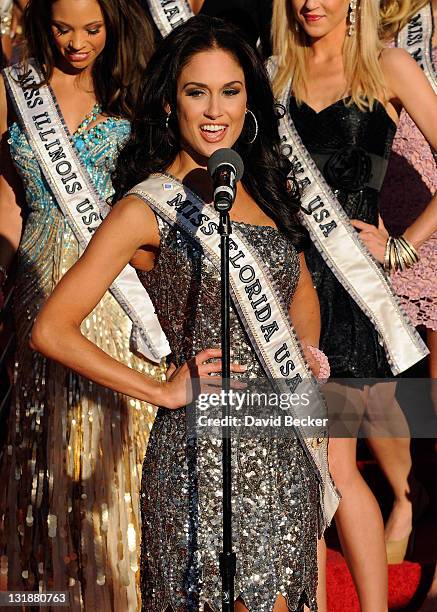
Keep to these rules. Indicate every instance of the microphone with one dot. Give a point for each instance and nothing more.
(226, 168)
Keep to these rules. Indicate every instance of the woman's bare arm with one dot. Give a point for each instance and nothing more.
(304, 313)
(410, 89)
(56, 333)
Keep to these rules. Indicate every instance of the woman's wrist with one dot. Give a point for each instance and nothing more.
(156, 392)
(400, 254)
(409, 236)
(324, 367)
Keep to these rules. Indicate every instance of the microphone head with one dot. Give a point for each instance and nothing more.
(228, 157)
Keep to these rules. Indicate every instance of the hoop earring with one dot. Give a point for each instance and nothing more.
(352, 17)
(256, 126)
(167, 119)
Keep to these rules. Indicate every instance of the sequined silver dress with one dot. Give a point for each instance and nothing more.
(274, 487)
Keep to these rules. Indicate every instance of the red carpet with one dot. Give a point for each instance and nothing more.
(403, 582)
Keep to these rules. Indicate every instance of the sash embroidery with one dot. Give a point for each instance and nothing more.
(340, 247)
(168, 14)
(260, 308)
(78, 199)
(416, 38)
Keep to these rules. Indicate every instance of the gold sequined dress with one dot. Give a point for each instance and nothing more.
(70, 475)
(274, 487)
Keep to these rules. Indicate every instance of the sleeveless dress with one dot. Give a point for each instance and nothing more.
(410, 183)
(351, 149)
(274, 486)
(70, 475)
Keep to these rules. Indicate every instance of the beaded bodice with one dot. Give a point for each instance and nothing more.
(351, 147)
(185, 289)
(97, 149)
(48, 246)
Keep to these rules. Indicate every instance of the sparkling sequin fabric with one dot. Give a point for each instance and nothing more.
(274, 487)
(70, 476)
(348, 338)
(410, 183)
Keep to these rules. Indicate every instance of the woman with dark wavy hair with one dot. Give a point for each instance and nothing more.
(206, 89)
(69, 479)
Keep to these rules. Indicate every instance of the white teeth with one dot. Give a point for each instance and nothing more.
(212, 128)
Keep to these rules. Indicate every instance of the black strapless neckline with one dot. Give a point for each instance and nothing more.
(343, 101)
(349, 146)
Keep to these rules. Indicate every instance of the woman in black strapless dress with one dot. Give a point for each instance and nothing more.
(346, 143)
(346, 96)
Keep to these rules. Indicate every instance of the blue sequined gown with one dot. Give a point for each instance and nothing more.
(70, 477)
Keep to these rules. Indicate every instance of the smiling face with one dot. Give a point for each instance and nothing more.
(78, 29)
(320, 17)
(211, 102)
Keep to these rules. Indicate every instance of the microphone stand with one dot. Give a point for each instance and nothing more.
(228, 559)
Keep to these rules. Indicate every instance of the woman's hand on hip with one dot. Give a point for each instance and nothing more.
(183, 381)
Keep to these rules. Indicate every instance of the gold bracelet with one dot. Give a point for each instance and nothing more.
(394, 258)
(402, 261)
(409, 248)
(399, 254)
(407, 255)
(386, 255)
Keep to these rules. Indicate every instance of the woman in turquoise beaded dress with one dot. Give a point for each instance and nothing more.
(70, 474)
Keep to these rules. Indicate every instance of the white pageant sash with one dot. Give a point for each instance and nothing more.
(338, 243)
(168, 14)
(264, 316)
(416, 38)
(77, 198)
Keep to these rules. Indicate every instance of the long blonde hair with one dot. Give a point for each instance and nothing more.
(395, 14)
(364, 77)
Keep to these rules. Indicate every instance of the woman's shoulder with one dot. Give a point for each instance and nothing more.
(401, 72)
(131, 207)
(393, 55)
(397, 64)
(135, 215)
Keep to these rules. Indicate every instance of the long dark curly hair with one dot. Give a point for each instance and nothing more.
(118, 71)
(152, 147)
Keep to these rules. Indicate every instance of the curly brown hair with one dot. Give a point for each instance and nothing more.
(118, 70)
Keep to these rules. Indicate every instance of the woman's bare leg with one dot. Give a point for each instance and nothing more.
(394, 458)
(360, 527)
(358, 517)
(322, 602)
(392, 453)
